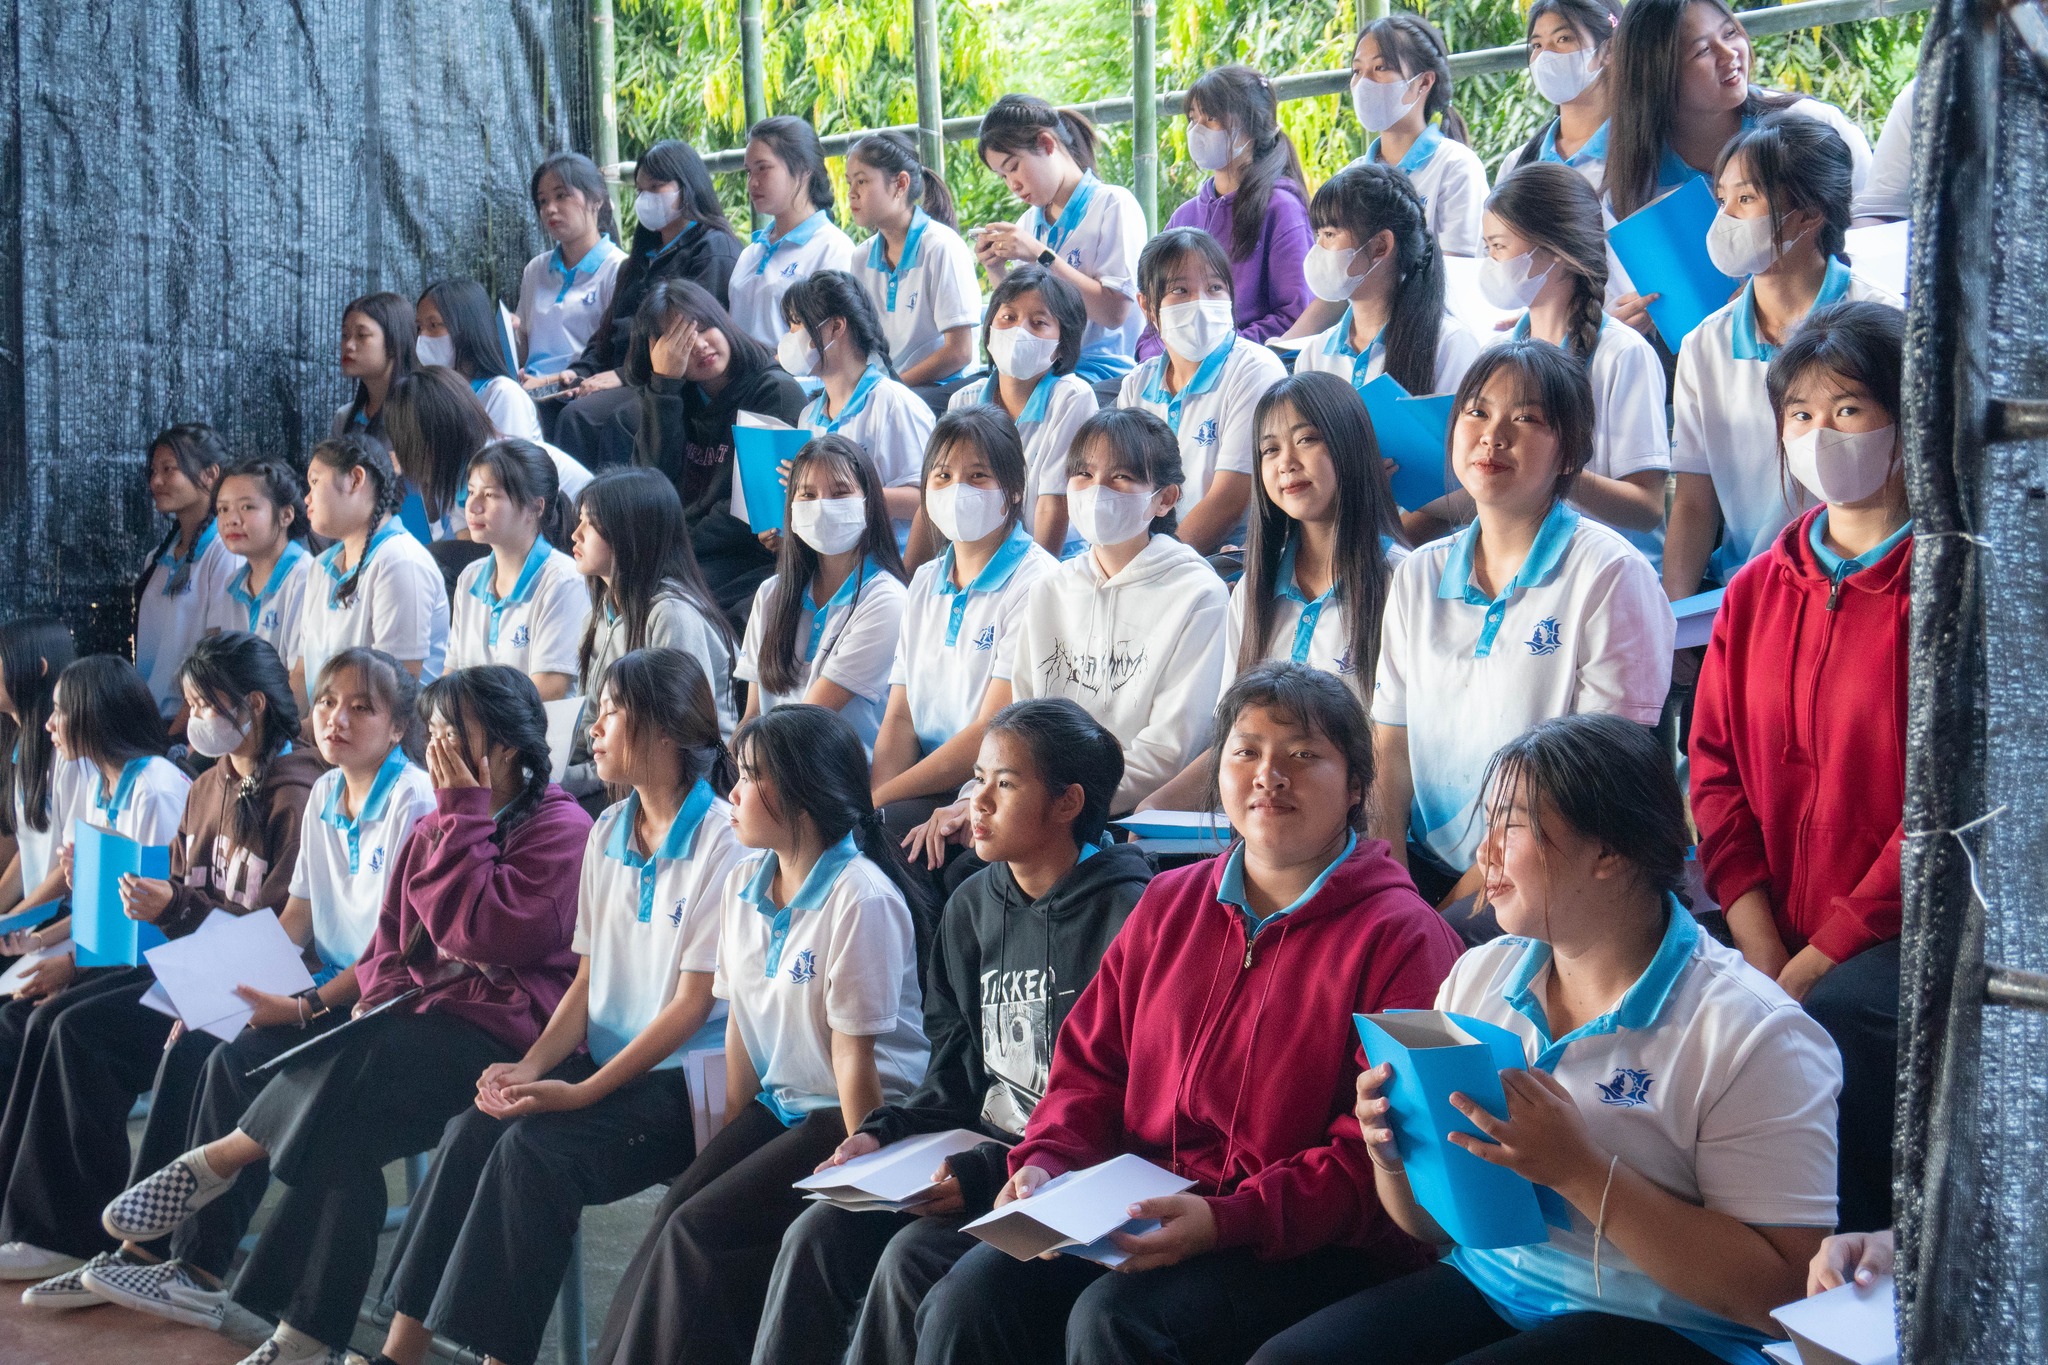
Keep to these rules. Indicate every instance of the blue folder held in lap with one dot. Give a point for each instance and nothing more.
(757, 452)
(101, 929)
(1413, 433)
(1663, 246)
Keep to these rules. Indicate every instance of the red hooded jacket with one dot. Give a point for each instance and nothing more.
(1234, 1064)
(1799, 744)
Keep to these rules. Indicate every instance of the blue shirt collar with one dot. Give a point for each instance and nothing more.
(1595, 148)
(381, 788)
(810, 896)
(112, 804)
(796, 236)
(848, 591)
(589, 263)
(1545, 554)
(905, 260)
(676, 844)
(238, 588)
(1311, 611)
(1838, 568)
(330, 558)
(1743, 342)
(1034, 406)
(1418, 156)
(1054, 234)
(855, 401)
(1641, 1005)
(179, 580)
(1207, 375)
(1340, 339)
(522, 587)
(1001, 566)
(1230, 886)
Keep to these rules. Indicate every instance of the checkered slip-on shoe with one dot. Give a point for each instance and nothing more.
(66, 1291)
(164, 1289)
(155, 1207)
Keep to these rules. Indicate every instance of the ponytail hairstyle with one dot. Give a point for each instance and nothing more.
(393, 686)
(989, 430)
(392, 315)
(640, 515)
(1595, 21)
(1550, 205)
(201, 456)
(1365, 199)
(795, 144)
(528, 476)
(796, 563)
(1798, 163)
(1015, 123)
(1365, 508)
(1069, 748)
(815, 769)
(893, 155)
(829, 294)
(1138, 443)
(1414, 44)
(346, 454)
(1165, 252)
(1061, 299)
(34, 650)
(437, 425)
(670, 162)
(110, 717)
(503, 701)
(666, 692)
(225, 668)
(472, 321)
(1313, 700)
(279, 484)
(1549, 380)
(1244, 100)
(1646, 66)
(577, 173)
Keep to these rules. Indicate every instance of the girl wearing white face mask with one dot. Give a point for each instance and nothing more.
(824, 625)
(1401, 92)
(564, 293)
(1032, 334)
(961, 615)
(1206, 384)
(1570, 44)
(459, 329)
(1799, 725)
(1785, 193)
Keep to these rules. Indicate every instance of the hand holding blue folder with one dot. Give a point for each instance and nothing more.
(1413, 433)
(1663, 246)
(105, 936)
(758, 454)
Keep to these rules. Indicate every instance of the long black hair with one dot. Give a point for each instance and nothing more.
(670, 162)
(817, 770)
(989, 430)
(390, 682)
(437, 425)
(1554, 382)
(640, 516)
(1798, 163)
(225, 669)
(1550, 205)
(579, 173)
(345, 454)
(1366, 511)
(34, 650)
(1370, 197)
(1312, 699)
(673, 299)
(829, 294)
(1137, 442)
(504, 702)
(1596, 21)
(1244, 100)
(472, 321)
(666, 692)
(1414, 45)
(795, 144)
(893, 155)
(1062, 300)
(392, 314)
(528, 476)
(1069, 748)
(110, 717)
(200, 455)
(1014, 124)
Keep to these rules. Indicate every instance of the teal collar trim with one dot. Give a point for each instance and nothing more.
(817, 419)
(796, 236)
(993, 576)
(253, 602)
(848, 594)
(1419, 155)
(522, 587)
(1311, 611)
(1595, 148)
(1230, 887)
(1838, 568)
(1641, 1005)
(1743, 342)
(904, 262)
(1207, 375)
(1055, 235)
(110, 805)
(675, 845)
(810, 896)
(1552, 539)
(374, 804)
(330, 559)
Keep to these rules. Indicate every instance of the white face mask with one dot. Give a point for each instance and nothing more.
(1743, 246)
(438, 350)
(215, 735)
(656, 209)
(831, 526)
(963, 512)
(1507, 284)
(1104, 516)
(1843, 466)
(1562, 77)
(1213, 148)
(1329, 274)
(796, 354)
(1193, 330)
(1380, 104)
(1020, 353)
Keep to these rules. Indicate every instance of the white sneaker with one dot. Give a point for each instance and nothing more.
(155, 1206)
(164, 1289)
(289, 1346)
(21, 1261)
(61, 1292)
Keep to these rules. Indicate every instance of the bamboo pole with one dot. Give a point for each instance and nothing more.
(931, 113)
(1145, 109)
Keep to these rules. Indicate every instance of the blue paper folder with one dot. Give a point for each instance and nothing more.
(1434, 1054)
(758, 451)
(101, 929)
(1663, 246)
(31, 917)
(1695, 616)
(1413, 433)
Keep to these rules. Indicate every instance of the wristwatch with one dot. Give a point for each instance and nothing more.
(1048, 256)
(312, 1007)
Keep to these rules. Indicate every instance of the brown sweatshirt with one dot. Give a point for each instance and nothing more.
(210, 871)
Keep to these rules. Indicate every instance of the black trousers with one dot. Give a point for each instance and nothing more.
(600, 428)
(1436, 1317)
(847, 1286)
(1858, 1004)
(331, 1122)
(24, 1035)
(695, 1286)
(1216, 1309)
(487, 1240)
(90, 1053)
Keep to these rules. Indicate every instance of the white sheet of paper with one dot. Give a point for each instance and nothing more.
(561, 731)
(154, 998)
(1850, 1325)
(1878, 254)
(200, 971)
(1467, 304)
(12, 978)
(898, 1172)
(1077, 1209)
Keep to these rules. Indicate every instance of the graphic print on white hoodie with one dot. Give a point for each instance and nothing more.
(1141, 652)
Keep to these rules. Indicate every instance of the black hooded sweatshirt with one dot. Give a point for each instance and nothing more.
(1003, 975)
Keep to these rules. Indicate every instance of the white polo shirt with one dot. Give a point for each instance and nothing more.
(1330, 351)
(1212, 413)
(1705, 1078)
(952, 636)
(1590, 161)
(932, 289)
(38, 847)
(147, 803)
(180, 602)
(643, 919)
(1058, 405)
(510, 408)
(1584, 626)
(769, 265)
(1313, 632)
(536, 628)
(400, 605)
(274, 613)
(561, 304)
(345, 861)
(1100, 233)
(841, 957)
(852, 641)
(886, 419)
(1451, 180)
(1888, 193)
(1722, 425)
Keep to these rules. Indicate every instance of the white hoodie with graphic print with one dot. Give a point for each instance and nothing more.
(1141, 652)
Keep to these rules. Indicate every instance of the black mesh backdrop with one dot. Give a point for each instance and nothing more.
(189, 193)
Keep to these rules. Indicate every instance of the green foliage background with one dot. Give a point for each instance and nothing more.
(846, 64)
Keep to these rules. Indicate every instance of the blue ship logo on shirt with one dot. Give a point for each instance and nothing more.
(521, 637)
(1344, 666)
(805, 969)
(987, 638)
(1074, 258)
(377, 858)
(1546, 639)
(269, 621)
(1205, 434)
(675, 916)
(910, 300)
(789, 271)
(1630, 1088)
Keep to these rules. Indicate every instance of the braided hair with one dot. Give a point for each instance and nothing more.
(1014, 124)
(1550, 205)
(829, 294)
(345, 455)
(225, 669)
(1365, 199)
(503, 701)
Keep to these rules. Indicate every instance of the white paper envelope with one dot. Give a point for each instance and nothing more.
(561, 732)
(898, 1174)
(1849, 1325)
(1078, 1210)
(199, 972)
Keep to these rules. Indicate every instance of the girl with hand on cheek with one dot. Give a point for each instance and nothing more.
(525, 603)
